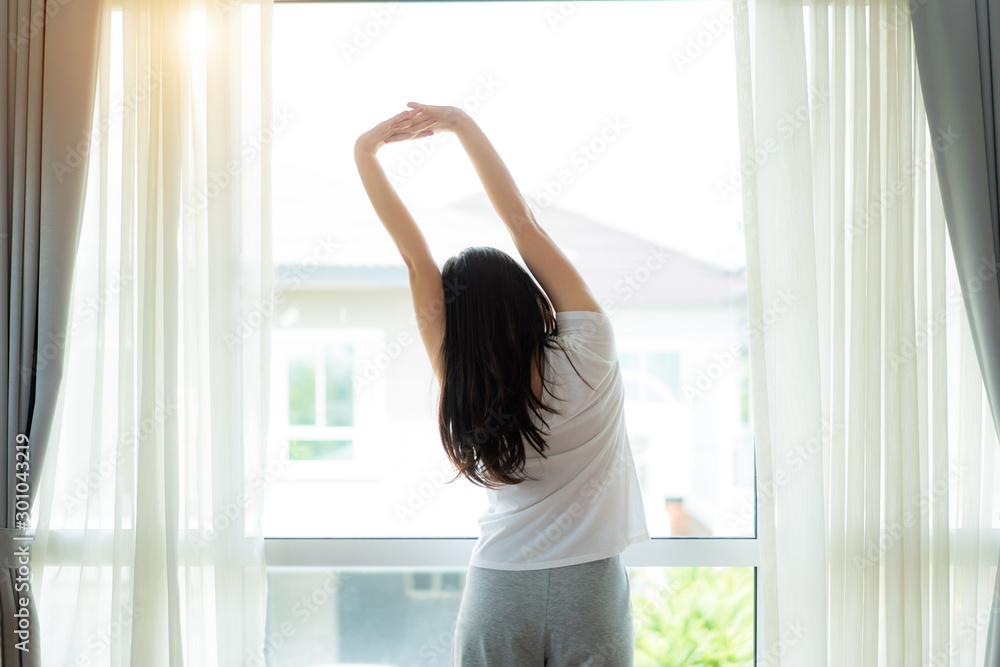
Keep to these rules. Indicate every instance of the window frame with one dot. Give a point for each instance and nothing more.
(412, 552)
(364, 465)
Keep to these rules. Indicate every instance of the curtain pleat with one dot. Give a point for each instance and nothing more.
(959, 59)
(50, 64)
(767, 605)
(151, 547)
(875, 471)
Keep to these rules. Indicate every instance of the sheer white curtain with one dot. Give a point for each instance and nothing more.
(876, 459)
(148, 550)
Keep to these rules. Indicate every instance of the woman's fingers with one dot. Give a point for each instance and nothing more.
(401, 117)
(420, 126)
(410, 120)
(403, 137)
(413, 123)
(416, 123)
(428, 109)
(425, 111)
(398, 117)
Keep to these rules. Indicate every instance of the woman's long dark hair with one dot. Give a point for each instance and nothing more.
(498, 324)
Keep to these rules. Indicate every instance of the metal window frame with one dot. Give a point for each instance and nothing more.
(417, 552)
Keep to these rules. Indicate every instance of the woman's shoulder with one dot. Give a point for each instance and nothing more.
(580, 318)
(584, 330)
(582, 348)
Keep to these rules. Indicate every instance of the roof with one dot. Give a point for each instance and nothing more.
(337, 243)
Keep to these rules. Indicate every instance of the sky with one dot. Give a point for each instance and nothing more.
(622, 111)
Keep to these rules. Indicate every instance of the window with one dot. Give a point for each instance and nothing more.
(651, 377)
(320, 419)
(319, 412)
(325, 426)
(435, 584)
(385, 616)
(635, 186)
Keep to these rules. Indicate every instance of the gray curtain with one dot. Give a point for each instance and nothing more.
(958, 58)
(50, 64)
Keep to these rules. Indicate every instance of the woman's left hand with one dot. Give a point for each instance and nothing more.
(398, 128)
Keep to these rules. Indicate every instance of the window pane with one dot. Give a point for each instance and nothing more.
(642, 193)
(422, 581)
(682, 616)
(652, 377)
(302, 390)
(693, 616)
(451, 581)
(339, 387)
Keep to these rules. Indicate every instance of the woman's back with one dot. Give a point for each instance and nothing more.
(546, 583)
(582, 500)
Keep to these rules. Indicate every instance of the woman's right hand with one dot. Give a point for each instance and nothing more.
(449, 119)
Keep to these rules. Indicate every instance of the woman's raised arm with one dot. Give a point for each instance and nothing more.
(425, 277)
(557, 276)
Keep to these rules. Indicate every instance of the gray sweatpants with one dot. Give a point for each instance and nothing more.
(574, 616)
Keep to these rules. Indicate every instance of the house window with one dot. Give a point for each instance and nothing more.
(320, 421)
(323, 421)
(651, 376)
(319, 417)
(435, 583)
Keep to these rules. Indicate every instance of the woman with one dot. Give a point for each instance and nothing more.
(532, 409)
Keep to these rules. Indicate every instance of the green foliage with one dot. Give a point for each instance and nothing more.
(693, 616)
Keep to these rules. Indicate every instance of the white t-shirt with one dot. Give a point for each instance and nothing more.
(584, 503)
